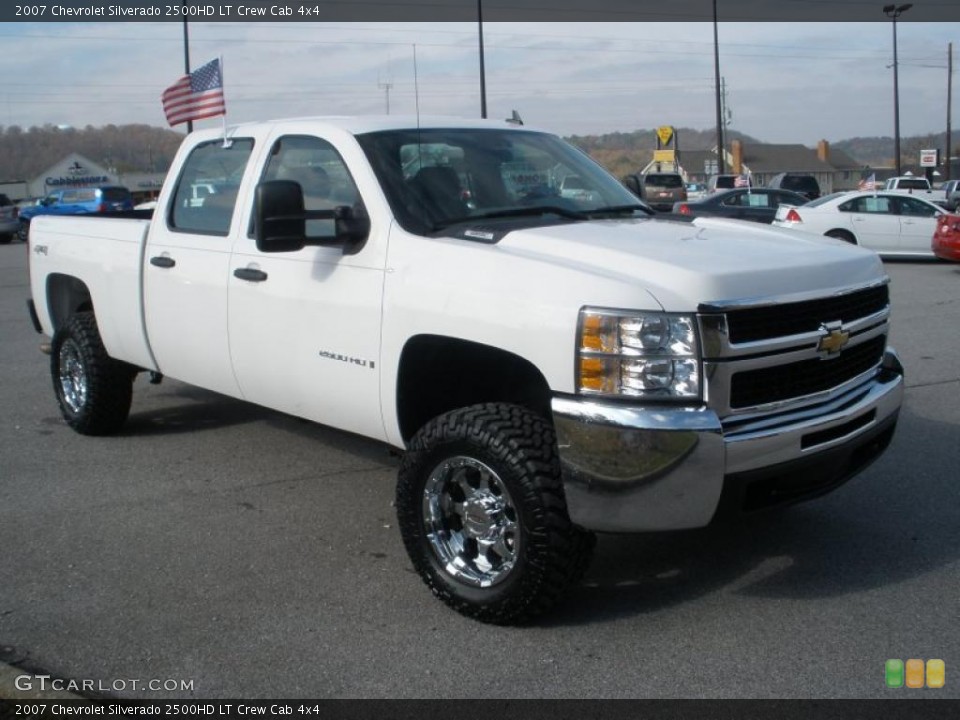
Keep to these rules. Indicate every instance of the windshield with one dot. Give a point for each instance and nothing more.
(434, 178)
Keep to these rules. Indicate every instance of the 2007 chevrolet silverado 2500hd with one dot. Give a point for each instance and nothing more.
(551, 365)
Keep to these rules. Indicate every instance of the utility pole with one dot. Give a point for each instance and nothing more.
(716, 71)
(386, 87)
(483, 69)
(949, 103)
(893, 12)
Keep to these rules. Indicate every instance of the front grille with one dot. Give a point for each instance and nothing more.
(764, 323)
(785, 382)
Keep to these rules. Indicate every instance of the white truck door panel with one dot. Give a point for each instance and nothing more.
(305, 325)
(187, 266)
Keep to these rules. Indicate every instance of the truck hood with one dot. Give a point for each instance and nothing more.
(684, 264)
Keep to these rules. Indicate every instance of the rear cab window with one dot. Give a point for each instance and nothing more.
(217, 169)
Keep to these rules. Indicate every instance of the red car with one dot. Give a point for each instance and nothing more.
(946, 238)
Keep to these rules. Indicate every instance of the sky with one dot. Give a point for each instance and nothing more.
(785, 82)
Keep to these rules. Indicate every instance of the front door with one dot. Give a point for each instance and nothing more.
(873, 218)
(305, 325)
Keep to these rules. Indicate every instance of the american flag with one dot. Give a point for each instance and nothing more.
(195, 96)
(742, 181)
(869, 183)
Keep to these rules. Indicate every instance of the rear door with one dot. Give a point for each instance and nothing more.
(186, 270)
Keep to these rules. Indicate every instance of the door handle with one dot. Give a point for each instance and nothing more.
(162, 261)
(250, 274)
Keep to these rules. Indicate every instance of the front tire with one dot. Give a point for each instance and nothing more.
(94, 390)
(482, 513)
(23, 232)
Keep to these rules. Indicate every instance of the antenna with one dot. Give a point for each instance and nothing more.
(416, 83)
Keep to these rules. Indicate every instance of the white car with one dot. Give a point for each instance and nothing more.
(892, 224)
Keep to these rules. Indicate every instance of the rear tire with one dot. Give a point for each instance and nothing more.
(94, 390)
(23, 232)
(842, 235)
(483, 517)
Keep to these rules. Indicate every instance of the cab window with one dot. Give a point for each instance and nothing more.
(321, 172)
(206, 192)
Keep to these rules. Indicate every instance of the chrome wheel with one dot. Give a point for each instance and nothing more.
(471, 521)
(73, 376)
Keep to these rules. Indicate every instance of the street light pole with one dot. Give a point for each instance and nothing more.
(483, 72)
(893, 12)
(716, 70)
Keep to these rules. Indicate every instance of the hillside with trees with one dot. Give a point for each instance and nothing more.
(143, 148)
(120, 148)
(878, 151)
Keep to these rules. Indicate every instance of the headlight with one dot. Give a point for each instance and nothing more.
(644, 354)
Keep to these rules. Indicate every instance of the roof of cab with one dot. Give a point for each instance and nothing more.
(363, 124)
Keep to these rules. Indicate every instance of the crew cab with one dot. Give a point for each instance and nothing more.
(550, 366)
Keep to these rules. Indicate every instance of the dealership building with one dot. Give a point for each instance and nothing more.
(76, 171)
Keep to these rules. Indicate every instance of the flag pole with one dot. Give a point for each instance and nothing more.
(186, 59)
(226, 143)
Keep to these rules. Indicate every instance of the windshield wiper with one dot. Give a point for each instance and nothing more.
(534, 211)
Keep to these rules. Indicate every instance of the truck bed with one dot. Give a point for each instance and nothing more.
(104, 252)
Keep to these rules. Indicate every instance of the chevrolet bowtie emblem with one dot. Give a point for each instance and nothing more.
(833, 340)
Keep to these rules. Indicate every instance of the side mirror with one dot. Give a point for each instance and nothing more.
(352, 226)
(634, 185)
(279, 220)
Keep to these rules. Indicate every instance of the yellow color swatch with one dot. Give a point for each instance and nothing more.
(936, 673)
(914, 673)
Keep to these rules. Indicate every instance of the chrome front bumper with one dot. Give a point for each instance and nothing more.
(643, 468)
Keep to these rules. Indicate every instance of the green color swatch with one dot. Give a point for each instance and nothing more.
(894, 673)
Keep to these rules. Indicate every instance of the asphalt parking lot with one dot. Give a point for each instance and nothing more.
(228, 551)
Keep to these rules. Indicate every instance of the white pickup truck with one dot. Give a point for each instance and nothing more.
(919, 186)
(551, 366)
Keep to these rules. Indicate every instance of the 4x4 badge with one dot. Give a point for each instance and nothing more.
(833, 338)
